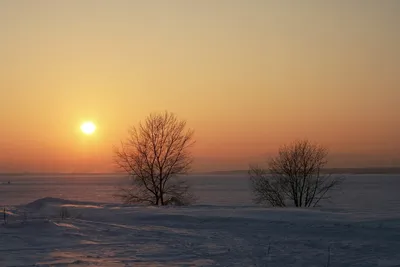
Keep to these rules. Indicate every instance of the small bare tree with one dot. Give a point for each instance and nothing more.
(294, 175)
(154, 154)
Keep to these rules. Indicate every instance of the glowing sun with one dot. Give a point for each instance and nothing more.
(88, 127)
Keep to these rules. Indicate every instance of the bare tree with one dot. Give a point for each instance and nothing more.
(153, 155)
(294, 175)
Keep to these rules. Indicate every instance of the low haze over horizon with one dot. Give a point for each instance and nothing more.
(247, 76)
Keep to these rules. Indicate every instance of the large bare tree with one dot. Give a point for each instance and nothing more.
(294, 175)
(155, 153)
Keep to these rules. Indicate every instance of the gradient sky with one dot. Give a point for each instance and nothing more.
(248, 76)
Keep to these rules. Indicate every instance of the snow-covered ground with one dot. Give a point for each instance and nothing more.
(360, 227)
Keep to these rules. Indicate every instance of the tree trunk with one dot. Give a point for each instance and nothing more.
(162, 199)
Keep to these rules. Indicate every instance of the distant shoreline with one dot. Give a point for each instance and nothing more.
(368, 170)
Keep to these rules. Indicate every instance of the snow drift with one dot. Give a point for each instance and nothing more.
(101, 234)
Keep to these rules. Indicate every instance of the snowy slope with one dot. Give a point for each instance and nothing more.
(360, 225)
(115, 235)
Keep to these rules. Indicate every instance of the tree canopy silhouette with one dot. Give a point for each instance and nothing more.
(154, 154)
(294, 175)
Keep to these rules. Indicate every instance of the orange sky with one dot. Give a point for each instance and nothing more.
(246, 75)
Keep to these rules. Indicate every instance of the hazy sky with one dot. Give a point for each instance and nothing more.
(248, 76)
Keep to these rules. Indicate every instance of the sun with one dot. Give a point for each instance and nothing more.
(88, 127)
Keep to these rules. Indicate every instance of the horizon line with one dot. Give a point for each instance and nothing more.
(361, 170)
